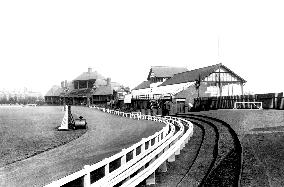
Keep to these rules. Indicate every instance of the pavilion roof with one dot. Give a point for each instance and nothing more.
(165, 71)
(89, 75)
(190, 76)
(143, 85)
(103, 90)
(54, 91)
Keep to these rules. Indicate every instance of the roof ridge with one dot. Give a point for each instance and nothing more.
(194, 72)
(199, 68)
(169, 66)
(206, 67)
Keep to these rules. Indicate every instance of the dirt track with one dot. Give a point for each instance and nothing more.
(107, 135)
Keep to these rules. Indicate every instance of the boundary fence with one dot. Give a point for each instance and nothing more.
(138, 162)
(269, 101)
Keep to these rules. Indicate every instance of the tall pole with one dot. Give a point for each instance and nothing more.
(218, 53)
(220, 86)
(218, 59)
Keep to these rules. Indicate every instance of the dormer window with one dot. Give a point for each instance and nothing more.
(152, 77)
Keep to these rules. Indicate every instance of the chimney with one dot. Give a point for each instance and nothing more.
(62, 84)
(89, 70)
(108, 81)
(65, 84)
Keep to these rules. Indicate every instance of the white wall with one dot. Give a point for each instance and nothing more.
(162, 90)
(227, 90)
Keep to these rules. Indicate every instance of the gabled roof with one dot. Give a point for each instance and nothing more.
(143, 85)
(103, 90)
(165, 71)
(54, 91)
(123, 89)
(240, 78)
(116, 86)
(193, 75)
(79, 92)
(89, 75)
(100, 82)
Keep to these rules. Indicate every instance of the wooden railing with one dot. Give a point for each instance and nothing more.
(138, 162)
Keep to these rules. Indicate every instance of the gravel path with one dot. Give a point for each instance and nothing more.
(106, 135)
(216, 163)
(206, 157)
(178, 169)
(194, 161)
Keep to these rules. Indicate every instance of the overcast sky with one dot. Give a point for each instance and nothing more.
(45, 42)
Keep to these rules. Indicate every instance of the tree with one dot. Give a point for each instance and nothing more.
(4, 100)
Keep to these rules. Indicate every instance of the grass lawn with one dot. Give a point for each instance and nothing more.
(26, 131)
(262, 135)
(243, 121)
(106, 135)
(269, 150)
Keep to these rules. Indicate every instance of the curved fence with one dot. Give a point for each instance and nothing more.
(138, 162)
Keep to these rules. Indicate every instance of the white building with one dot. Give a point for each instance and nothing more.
(182, 85)
(157, 75)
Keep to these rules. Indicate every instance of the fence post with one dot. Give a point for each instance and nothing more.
(172, 158)
(123, 158)
(107, 169)
(143, 146)
(87, 177)
(282, 103)
(163, 167)
(178, 151)
(182, 145)
(156, 139)
(134, 153)
(151, 179)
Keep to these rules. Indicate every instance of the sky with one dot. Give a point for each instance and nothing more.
(45, 42)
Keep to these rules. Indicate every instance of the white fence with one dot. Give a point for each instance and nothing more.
(138, 162)
(248, 105)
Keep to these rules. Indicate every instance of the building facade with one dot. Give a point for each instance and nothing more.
(88, 88)
(182, 87)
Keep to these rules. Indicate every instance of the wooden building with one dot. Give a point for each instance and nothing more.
(182, 87)
(103, 94)
(52, 97)
(88, 88)
(156, 76)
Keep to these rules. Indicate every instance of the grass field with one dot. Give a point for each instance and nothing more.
(106, 135)
(262, 135)
(245, 121)
(26, 131)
